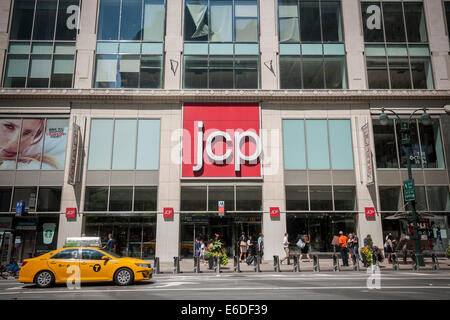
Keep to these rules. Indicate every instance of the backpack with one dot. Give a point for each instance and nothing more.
(300, 243)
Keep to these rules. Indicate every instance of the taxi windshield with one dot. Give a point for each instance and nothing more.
(112, 254)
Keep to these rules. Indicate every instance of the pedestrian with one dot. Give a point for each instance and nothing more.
(202, 250)
(286, 248)
(197, 247)
(261, 247)
(388, 247)
(343, 248)
(350, 246)
(243, 247)
(111, 244)
(306, 247)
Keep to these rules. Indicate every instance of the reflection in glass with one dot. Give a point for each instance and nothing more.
(246, 72)
(288, 21)
(62, 72)
(5, 199)
(344, 198)
(393, 22)
(106, 71)
(108, 20)
(310, 21)
(145, 198)
(22, 20)
(44, 20)
(313, 73)
(414, 152)
(216, 194)
(16, 71)
(26, 194)
(385, 146)
(415, 22)
(438, 198)
(39, 73)
(150, 76)
(399, 72)
(432, 151)
(335, 73)
(377, 73)
(421, 73)
(130, 25)
(317, 144)
(221, 72)
(100, 144)
(154, 14)
(195, 72)
(128, 76)
(290, 72)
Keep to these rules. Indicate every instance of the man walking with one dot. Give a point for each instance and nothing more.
(110, 244)
(261, 246)
(343, 248)
(286, 248)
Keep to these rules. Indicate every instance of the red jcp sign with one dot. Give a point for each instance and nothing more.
(370, 212)
(221, 141)
(71, 212)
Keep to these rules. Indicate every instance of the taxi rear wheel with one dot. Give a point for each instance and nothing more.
(123, 277)
(44, 279)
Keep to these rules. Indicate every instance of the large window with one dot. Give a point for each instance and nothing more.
(397, 53)
(121, 198)
(320, 198)
(447, 16)
(33, 144)
(36, 199)
(206, 198)
(312, 53)
(221, 44)
(124, 144)
(426, 150)
(317, 144)
(130, 44)
(41, 51)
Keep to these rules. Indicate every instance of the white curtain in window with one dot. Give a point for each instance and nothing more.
(106, 70)
(40, 67)
(289, 30)
(154, 20)
(17, 66)
(129, 64)
(221, 21)
(198, 14)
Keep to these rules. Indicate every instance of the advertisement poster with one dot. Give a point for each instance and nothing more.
(48, 232)
(33, 144)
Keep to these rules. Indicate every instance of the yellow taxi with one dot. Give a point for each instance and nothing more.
(95, 265)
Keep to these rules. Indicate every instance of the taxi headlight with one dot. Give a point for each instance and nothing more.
(143, 265)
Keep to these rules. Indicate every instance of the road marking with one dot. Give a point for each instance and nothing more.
(217, 289)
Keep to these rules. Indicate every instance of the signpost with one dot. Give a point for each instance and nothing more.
(408, 190)
(20, 205)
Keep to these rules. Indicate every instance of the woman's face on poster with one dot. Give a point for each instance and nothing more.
(11, 135)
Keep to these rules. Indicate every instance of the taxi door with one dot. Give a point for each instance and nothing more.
(60, 262)
(93, 268)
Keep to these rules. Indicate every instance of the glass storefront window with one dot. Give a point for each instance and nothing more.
(145, 198)
(321, 198)
(344, 198)
(390, 198)
(438, 198)
(385, 146)
(297, 198)
(5, 198)
(26, 194)
(216, 194)
(96, 199)
(248, 198)
(193, 198)
(49, 199)
(432, 151)
(120, 198)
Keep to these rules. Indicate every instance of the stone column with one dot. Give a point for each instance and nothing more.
(168, 229)
(354, 44)
(86, 45)
(5, 7)
(439, 42)
(268, 43)
(273, 185)
(173, 46)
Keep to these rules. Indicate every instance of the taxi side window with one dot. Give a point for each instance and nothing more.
(89, 254)
(67, 254)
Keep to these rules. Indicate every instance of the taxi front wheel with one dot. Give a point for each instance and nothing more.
(44, 279)
(123, 277)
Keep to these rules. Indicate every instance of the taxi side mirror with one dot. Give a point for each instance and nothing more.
(106, 258)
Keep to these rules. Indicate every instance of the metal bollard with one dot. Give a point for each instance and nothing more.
(355, 263)
(316, 266)
(394, 261)
(435, 262)
(176, 265)
(217, 264)
(237, 267)
(276, 263)
(374, 259)
(156, 268)
(296, 263)
(336, 267)
(256, 261)
(405, 256)
(415, 264)
(197, 265)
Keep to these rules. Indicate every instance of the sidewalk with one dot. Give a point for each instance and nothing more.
(325, 264)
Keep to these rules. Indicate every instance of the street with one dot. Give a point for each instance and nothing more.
(388, 285)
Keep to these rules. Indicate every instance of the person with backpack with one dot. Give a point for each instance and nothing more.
(251, 251)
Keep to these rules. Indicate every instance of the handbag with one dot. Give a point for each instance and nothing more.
(300, 243)
(243, 244)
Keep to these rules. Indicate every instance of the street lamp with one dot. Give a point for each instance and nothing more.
(406, 141)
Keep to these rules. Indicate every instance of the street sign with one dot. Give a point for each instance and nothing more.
(408, 190)
(221, 208)
(274, 212)
(168, 213)
(370, 212)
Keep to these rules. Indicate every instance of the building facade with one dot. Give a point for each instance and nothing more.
(144, 118)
